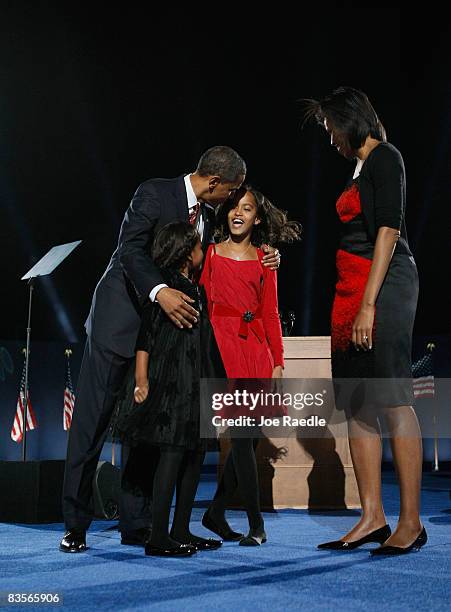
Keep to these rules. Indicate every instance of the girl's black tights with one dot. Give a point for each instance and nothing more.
(164, 482)
(187, 482)
(240, 470)
(181, 469)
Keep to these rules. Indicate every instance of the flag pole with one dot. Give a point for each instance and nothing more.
(430, 347)
(27, 362)
(435, 468)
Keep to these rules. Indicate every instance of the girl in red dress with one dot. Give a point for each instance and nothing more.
(242, 302)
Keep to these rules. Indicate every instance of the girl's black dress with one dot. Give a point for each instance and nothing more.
(178, 359)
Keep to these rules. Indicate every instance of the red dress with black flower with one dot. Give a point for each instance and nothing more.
(243, 309)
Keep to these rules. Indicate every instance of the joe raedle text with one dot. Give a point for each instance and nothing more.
(263, 421)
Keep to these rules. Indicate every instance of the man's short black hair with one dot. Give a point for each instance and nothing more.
(222, 161)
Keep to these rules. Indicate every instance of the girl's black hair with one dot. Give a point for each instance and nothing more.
(349, 111)
(274, 226)
(174, 244)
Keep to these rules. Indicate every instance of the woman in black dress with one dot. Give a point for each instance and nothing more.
(372, 320)
(160, 403)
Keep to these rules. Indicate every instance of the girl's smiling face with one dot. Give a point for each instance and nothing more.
(243, 216)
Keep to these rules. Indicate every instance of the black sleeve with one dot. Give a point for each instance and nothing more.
(137, 227)
(145, 330)
(388, 177)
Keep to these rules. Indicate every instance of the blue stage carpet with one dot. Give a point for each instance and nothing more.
(287, 573)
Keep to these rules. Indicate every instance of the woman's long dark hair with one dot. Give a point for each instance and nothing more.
(349, 111)
(274, 226)
(174, 244)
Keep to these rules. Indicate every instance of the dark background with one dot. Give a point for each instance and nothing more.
(96, 99)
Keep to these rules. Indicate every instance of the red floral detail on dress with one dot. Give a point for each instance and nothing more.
(348, 204)
(353, 273)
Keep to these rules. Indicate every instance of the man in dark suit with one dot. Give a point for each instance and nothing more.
(112, 326)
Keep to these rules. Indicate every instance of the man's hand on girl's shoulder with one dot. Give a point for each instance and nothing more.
(271, 258)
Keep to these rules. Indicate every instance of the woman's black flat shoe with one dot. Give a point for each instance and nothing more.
(379, 536)
(227, 535)
(398, 550)
(255, 537)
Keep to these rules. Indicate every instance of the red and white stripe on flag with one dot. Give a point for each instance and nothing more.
(69, 400)
(17, 429)
(423, 386)
(69, 395)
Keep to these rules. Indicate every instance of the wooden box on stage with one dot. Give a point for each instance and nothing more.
(314, 473)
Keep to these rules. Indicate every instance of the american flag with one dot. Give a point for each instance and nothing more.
(17, 429)
(423, 378)
(69, 396)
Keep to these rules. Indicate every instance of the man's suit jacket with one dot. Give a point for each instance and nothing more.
(115, 314)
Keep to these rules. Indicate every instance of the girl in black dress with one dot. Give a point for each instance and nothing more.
(372, 320)
(160, 405)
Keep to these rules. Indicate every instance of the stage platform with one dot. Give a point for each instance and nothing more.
(287, 573)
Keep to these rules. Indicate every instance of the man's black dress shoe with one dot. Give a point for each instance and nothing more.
(255, 537)
(379, 535)
(398, 550)
(183, 550)
(225, 533)
(74, 541)
(135, 537)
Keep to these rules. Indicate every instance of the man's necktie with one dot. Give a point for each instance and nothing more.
(193, 213)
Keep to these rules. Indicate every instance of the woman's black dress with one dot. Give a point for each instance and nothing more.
(376, 198)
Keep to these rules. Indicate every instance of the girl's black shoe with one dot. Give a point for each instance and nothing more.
(183, 550)
(225, 533)
(255, 537)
